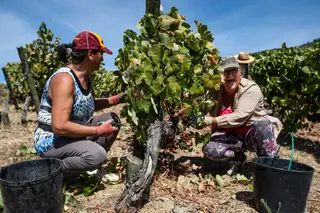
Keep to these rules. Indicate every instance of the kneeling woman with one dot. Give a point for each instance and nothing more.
(239, 120)
(67, 129)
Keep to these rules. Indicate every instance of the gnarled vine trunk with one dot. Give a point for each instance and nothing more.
(4, 116)
(131, 198)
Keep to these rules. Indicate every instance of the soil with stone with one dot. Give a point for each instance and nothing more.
(187, 186)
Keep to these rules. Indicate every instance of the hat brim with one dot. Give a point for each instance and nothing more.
(228, 66)
(106, 50)
(248, 61)
(222, 68)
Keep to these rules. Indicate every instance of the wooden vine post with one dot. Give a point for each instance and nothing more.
(4, 116)
(8, 82)
(29, 78)
(153, 7)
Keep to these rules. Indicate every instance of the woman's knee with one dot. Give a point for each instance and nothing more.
(213, 150)
(263, 125)
(100, 156)
(209, 151)
(263, 138)
(95, 157)
(205, 149)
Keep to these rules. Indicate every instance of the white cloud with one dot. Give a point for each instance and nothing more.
(247, 28)
(15, 32)
(108, 18)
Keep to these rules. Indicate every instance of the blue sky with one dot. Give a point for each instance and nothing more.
(245, 25)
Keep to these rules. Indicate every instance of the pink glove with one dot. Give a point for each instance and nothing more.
(106, 129)
(118, 98)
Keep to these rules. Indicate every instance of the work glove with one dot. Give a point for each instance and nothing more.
(106, 129)
(117, 99)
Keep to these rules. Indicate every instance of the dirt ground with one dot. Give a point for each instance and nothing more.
(180, 192)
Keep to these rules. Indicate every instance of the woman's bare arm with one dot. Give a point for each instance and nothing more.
(62, 94)
(102, 103)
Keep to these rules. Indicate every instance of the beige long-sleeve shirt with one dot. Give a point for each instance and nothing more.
(248, 106)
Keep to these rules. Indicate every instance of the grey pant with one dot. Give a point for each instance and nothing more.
(86, 154)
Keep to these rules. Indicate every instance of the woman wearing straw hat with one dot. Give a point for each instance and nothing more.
(244, 60)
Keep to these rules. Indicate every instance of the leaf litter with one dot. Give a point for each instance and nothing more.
(204, 190)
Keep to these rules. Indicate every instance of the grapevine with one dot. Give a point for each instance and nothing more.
(289, 78)
(166, 68)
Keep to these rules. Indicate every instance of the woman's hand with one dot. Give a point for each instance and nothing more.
(106, 129)
(102, 103)
(117, 99)
(207, 120)
(210, 121)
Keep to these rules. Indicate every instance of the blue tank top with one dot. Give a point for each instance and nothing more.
(82, 111)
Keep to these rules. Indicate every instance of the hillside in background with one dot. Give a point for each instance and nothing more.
(308, 44)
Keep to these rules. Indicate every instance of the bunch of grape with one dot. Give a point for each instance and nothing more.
(195, 120)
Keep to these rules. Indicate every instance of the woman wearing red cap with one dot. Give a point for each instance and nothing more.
(67, 128)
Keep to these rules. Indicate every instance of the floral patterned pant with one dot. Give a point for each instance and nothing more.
(260, 138)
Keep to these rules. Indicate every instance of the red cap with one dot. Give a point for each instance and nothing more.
(87, 40)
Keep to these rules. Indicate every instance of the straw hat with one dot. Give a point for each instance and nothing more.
(244, 58)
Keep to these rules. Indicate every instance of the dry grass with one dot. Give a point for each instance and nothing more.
(169, 191)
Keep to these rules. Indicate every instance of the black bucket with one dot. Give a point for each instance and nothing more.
(33, 186)
(278, 185)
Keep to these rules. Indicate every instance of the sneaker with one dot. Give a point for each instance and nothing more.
(92, 173)
(246, 169)
(236, 164)
(103, 176)
(97, 173)
(235, 168)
